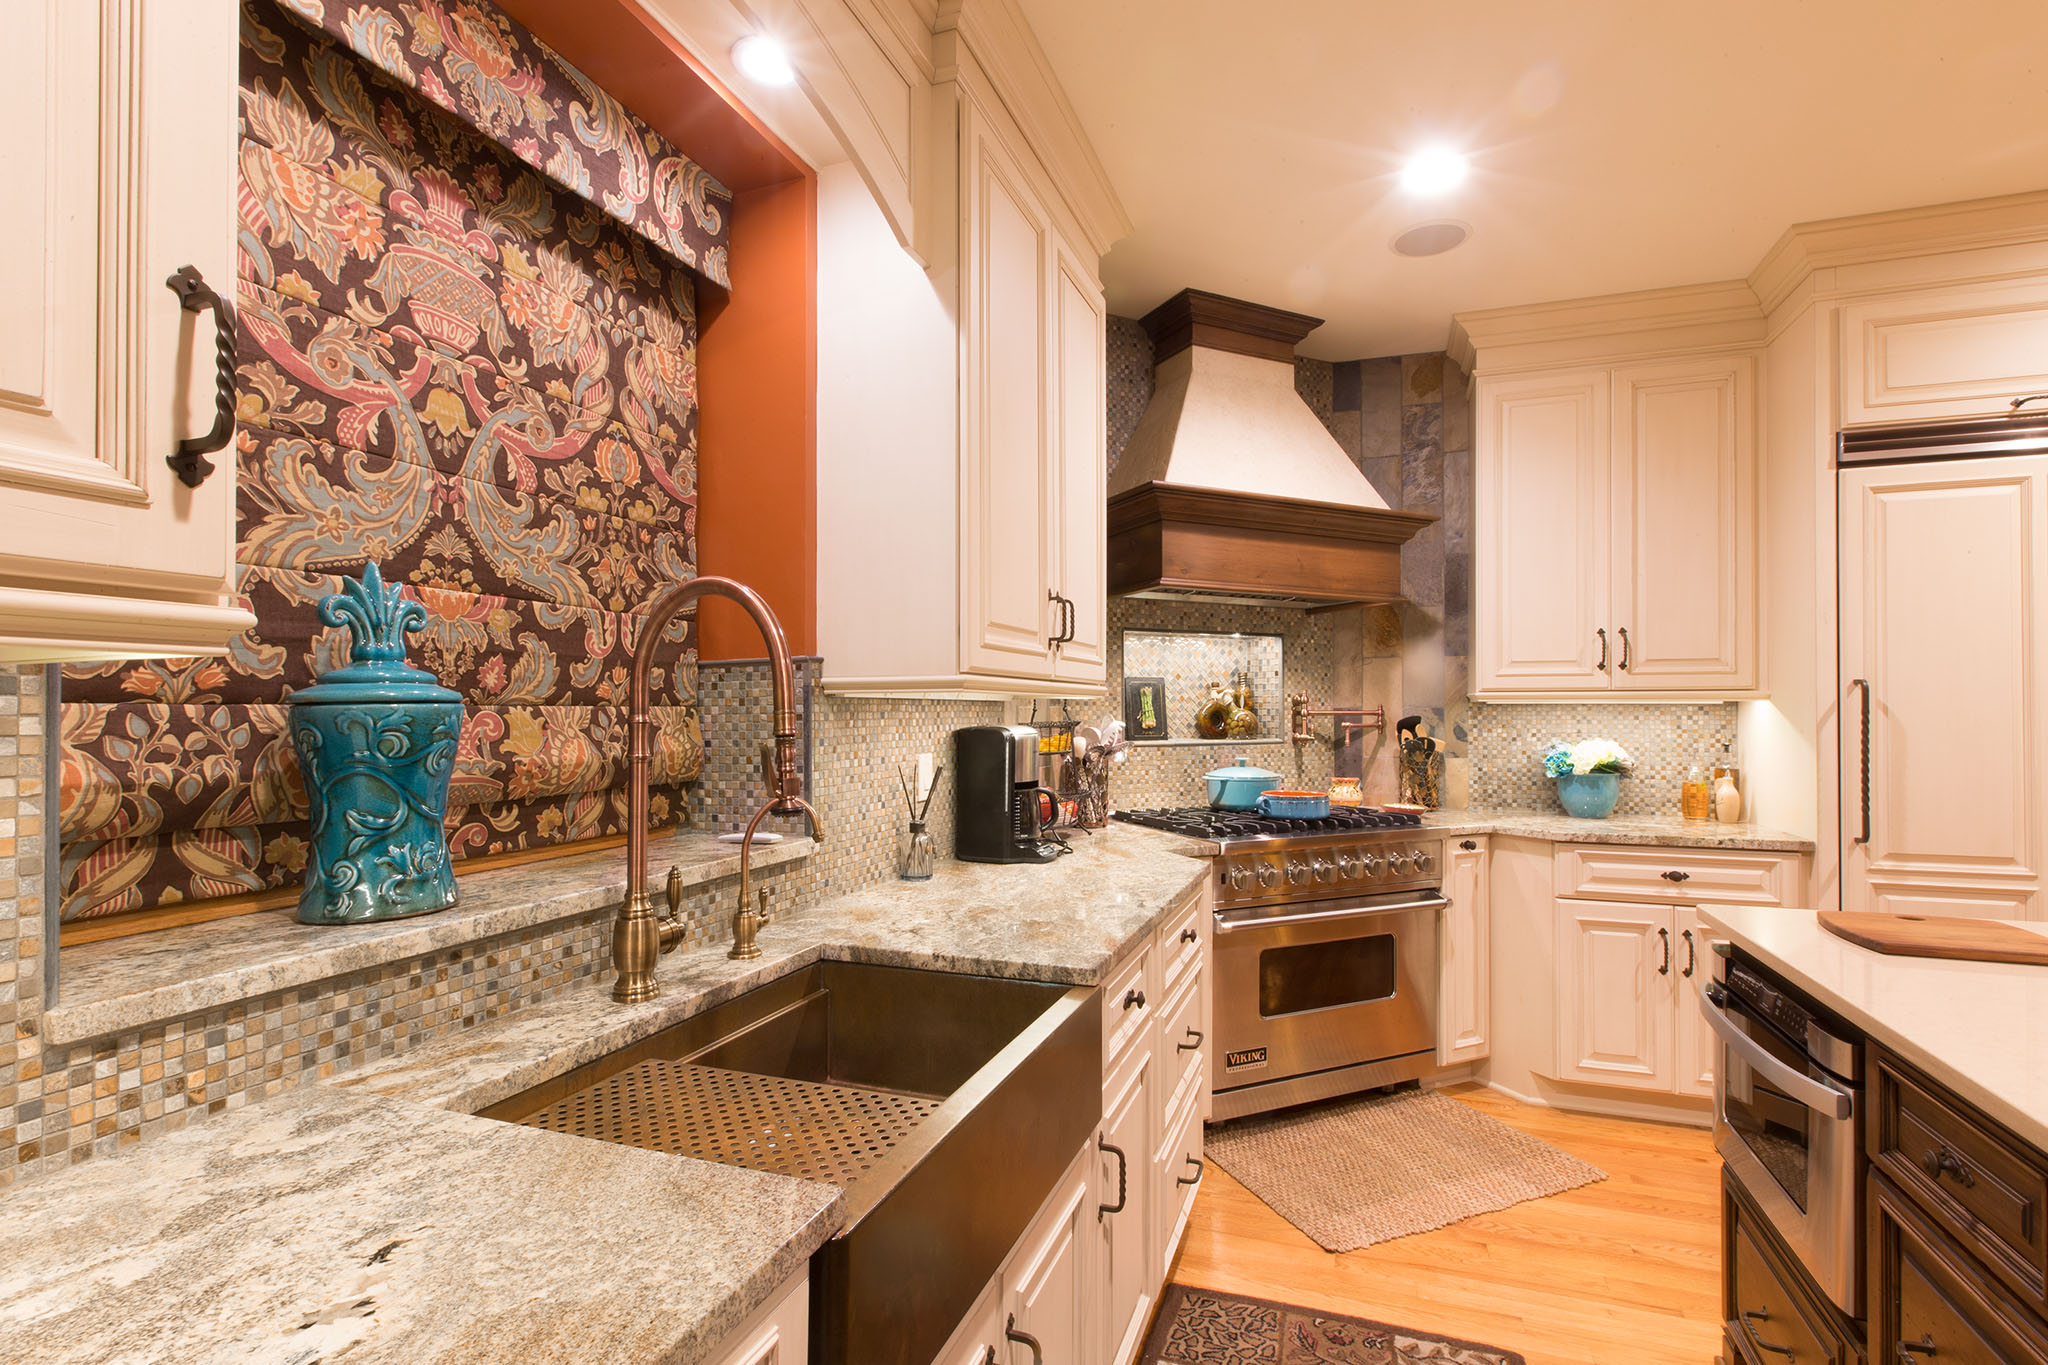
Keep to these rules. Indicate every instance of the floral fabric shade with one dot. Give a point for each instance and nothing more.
(454, 365)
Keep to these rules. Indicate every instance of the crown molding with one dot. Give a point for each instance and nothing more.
(1002, 42)
(1609, 327)
(2013, 219)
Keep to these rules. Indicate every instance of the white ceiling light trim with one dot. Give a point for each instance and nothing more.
(1434, 170)
(761, 58)
(1433, 238)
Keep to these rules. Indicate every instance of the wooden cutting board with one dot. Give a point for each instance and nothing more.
(1963, 940)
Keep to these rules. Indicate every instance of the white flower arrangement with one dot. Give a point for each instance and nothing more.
(1587, 756)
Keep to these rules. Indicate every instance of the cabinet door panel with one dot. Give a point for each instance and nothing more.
(1684, 539)
(1046, 1290)
(1541, 484)
(1698, 1051)
(1006, 492)
(1942, 574)
(1954, 352)
(1079, 416)
(1614, 1007)
(1124, 1237)
(122, 132)
(1464, 949)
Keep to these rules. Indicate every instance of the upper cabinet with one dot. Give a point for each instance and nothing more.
(989, 531)
(1615, 528)
(1959, 350)
(123, 119)
(1615, 467)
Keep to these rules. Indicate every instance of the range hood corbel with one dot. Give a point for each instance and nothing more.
(1230, 489)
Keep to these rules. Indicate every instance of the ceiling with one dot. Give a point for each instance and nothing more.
(1616, 144)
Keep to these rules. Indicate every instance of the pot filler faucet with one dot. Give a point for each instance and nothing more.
(639, 938)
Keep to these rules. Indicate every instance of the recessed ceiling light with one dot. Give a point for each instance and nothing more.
(760, 58)
(1431, 239)
(1434, 170)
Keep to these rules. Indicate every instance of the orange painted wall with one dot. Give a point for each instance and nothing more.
(757, 349)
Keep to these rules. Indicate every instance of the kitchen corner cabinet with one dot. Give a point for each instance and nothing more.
(1464, 956)
(1616, 530)
(121, 117)
(1631, 952)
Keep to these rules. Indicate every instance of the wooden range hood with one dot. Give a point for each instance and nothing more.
(1230, 489)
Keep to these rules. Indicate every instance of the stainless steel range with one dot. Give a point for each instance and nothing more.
(1326, 952)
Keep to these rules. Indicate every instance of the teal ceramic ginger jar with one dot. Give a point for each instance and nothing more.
(376, 742)
(1589, 796)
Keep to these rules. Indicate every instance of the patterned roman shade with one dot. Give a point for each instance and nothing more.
(468, 352)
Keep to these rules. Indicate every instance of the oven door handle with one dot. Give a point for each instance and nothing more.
(1234, 921)
(1827, 1100)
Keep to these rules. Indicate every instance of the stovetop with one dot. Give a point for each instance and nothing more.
(1201, 822)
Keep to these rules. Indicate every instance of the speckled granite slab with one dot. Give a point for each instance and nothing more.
(1666, 830)
(1065, 922)
(322, 1226)
(126, 983)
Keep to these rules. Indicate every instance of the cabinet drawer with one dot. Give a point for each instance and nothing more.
(1677, 876)
(1179, 1170)
(1181, 1049)
(1929, 1302)
(1986, 1189)
(1127, 1006)
(1769, 1319)
(1179, 945)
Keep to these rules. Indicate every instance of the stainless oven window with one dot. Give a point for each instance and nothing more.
(1778, 1129)
(1304, 977)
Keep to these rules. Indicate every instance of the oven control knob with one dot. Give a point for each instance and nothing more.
(1419, 860)
(1323, 868)
(1297, 872)
(1269, 876)
(1372, 863)
(1240, 878)
(1350, 866)
(1397, 863)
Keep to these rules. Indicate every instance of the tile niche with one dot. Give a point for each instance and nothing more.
(1190, 663)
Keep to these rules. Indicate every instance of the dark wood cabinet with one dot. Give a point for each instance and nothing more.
(1771, 1313)
(1932, 1302)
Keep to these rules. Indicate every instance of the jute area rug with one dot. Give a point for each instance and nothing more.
(1367, 1169)
(1203, 1327)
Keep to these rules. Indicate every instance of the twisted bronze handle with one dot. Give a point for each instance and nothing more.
(195, 294)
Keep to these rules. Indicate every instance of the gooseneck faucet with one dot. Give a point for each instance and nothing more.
(639, 936)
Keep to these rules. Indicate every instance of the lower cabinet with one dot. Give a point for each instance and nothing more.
(1080, 1285)
(1464, 956)
(778, 1333)
(1931, 1301)
(1770, 1314)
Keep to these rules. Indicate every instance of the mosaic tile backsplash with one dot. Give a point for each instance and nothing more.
(1506, 744)
(1190, 664)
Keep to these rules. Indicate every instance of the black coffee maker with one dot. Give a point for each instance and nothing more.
(1000, 813)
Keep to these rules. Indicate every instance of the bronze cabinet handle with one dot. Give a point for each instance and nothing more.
(1626, 652)
(1134, 997)
(1692, 956)
(1024, 1339)
(1676, 876)
(1922, 1347)
(1941, 1161)
(1602, 633)
(1862, 685)
(195, 294)
(1059, 628)
(1123, 1171)
(990, 1358)
(1188, 936)
(1196, 1178)
(1749, 1321)
(1468, 844)
(1194, 1041)
(1665, 935)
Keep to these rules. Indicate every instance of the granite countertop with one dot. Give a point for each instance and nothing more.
(323, 1226)
(373, 1212)
(1981, 1028)
(1665, 830)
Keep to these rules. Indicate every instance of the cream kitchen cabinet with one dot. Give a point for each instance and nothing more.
(122, 126)
(1615, 526)
(1944, 683)
(777, 1333)
(1464, 956)
(1960, 350)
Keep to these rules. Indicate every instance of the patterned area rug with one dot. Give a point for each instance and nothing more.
(1203, 1327)
(1361, 1170)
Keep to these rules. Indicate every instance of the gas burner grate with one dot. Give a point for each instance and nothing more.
(1202, 822)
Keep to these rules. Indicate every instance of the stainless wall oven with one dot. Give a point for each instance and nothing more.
(1788, 1100)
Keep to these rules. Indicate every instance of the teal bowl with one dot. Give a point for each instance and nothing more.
(1589, 796)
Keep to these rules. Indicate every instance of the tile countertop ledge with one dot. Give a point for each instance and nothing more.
(1980, 1028)
(321, 1226)
(121, 984)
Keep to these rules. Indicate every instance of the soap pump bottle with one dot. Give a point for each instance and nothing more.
(1727, 793)
(1695, 794)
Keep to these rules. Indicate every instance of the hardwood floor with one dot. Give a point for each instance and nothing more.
(1622, 1272)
